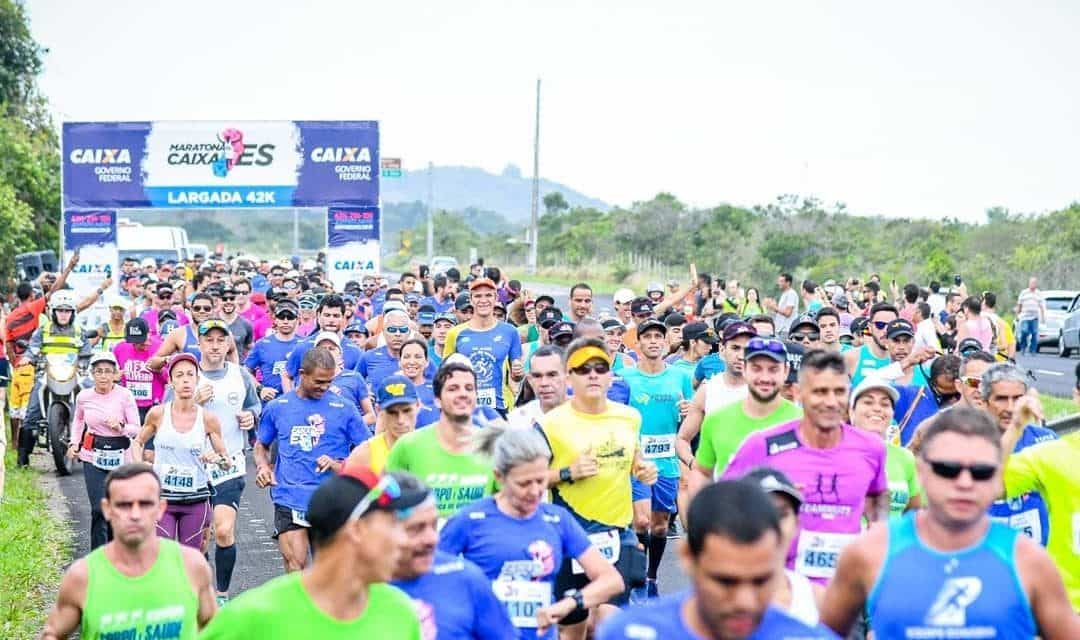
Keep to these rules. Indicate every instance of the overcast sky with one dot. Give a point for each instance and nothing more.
(913, 108)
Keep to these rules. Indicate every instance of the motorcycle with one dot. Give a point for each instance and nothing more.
(64, 376)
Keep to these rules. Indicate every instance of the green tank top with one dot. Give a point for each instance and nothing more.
(158, 604)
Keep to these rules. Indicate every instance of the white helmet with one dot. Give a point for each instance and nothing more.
(63, 299)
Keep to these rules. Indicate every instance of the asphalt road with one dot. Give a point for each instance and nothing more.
(258, 559)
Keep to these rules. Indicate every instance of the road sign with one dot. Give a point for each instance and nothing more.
(391, 167)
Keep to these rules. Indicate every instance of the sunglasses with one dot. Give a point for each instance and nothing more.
(228, 298)
(202, 309)
(164, 294)
(289, 286)
(397, 330)
(241, 292)
(766, 344)
(592, 367)
(385, 490)
(952, 470)
(972, 382)
(804, 337)
(879, 325)
(285, 315)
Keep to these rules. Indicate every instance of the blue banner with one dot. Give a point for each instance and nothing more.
(88, 228)
(351, 224)
(241, 164)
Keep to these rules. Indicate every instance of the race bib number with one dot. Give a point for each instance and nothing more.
(485, 398)
(178, 478)
(522, 599)
(299, 518)
(141, 390)
(237, 469)
(278, 368)
(1025, 522)
(607, 543)
(108, 460)
(657, 446)
(819, 552)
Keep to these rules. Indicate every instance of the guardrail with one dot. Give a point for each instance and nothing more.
(1065, 425)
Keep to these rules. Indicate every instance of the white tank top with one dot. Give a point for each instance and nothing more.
(718, 393)
(803, 605)
(229, 394)
(176, 457)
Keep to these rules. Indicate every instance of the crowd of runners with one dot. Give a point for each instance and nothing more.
(450, 456)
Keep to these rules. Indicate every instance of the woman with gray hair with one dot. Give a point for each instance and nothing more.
(520, 541)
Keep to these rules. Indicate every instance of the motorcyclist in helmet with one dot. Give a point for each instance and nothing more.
(58, 334)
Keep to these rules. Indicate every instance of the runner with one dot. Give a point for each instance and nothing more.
(613, 336)
(806, 332)
(1049, 469)
(186, 438)
(765, 368)
(184, 339)
(425, 321)
(1003, 389)
(545, 320)
(795, 594)
(357, 333)
(440, 455)
(138, 585)
(463, 307)
(415, 367)
(269, 356)
(520, 542)
(242, 332)
(872, 410)
(111, 332)
(659, 392)
(132, 356)
(546, 382)
(228, 392)
(492, 346)
(581, 302)
(348, 384)
(398, 410)
(732, 554)
(106, 419)
(356, 531)
(452, 595)
(947, 570)
(247, 306)
(331, 317)
(830, 329)
(314, 432)
(698, 341)
(381, 362)
(841, 469)
(873, 354)
(444, 322)
(595, 451)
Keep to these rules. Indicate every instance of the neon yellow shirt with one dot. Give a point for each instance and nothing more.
(612, 436)
(1051, 469)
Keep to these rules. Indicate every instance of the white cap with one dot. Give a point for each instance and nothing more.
(116, 301)
(459, 358)
(622, 296)
(394, 305)
(874, 382)
(327, 335)
(149, 262)
(103, 356)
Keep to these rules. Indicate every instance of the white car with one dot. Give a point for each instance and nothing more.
(1058, 302)
(439, 264)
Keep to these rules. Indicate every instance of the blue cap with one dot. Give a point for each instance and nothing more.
(412, 297)
(356, 327)
(394, 390)
(426, 317)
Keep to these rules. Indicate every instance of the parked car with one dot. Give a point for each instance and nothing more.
(1058, 303)
(1069, 334)
(439, 264)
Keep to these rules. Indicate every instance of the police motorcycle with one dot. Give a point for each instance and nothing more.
(62, 376)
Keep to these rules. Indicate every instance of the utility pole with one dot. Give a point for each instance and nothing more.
(430, 217)
(534, 231)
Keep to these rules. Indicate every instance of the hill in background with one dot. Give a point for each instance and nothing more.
(460, 188)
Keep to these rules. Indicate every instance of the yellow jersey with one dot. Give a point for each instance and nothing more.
(612, 436)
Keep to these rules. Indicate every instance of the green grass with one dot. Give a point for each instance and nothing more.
(34, 546)
(1056, 407)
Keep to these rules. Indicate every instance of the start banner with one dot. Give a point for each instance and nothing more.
(227, 164)
(352, 235)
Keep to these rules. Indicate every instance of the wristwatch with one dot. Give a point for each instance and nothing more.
(577, 595)
(565, 475)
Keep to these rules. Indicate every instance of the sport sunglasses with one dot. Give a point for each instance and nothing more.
(591, 367)
(952, 470)
(772, 345)
(385, 491)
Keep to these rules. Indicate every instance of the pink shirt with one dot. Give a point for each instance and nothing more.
(834, 484)
(151, 317)
(260, 322)
(93, 408)
(147, 387)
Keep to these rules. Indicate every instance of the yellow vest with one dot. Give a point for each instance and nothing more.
(53, 343)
